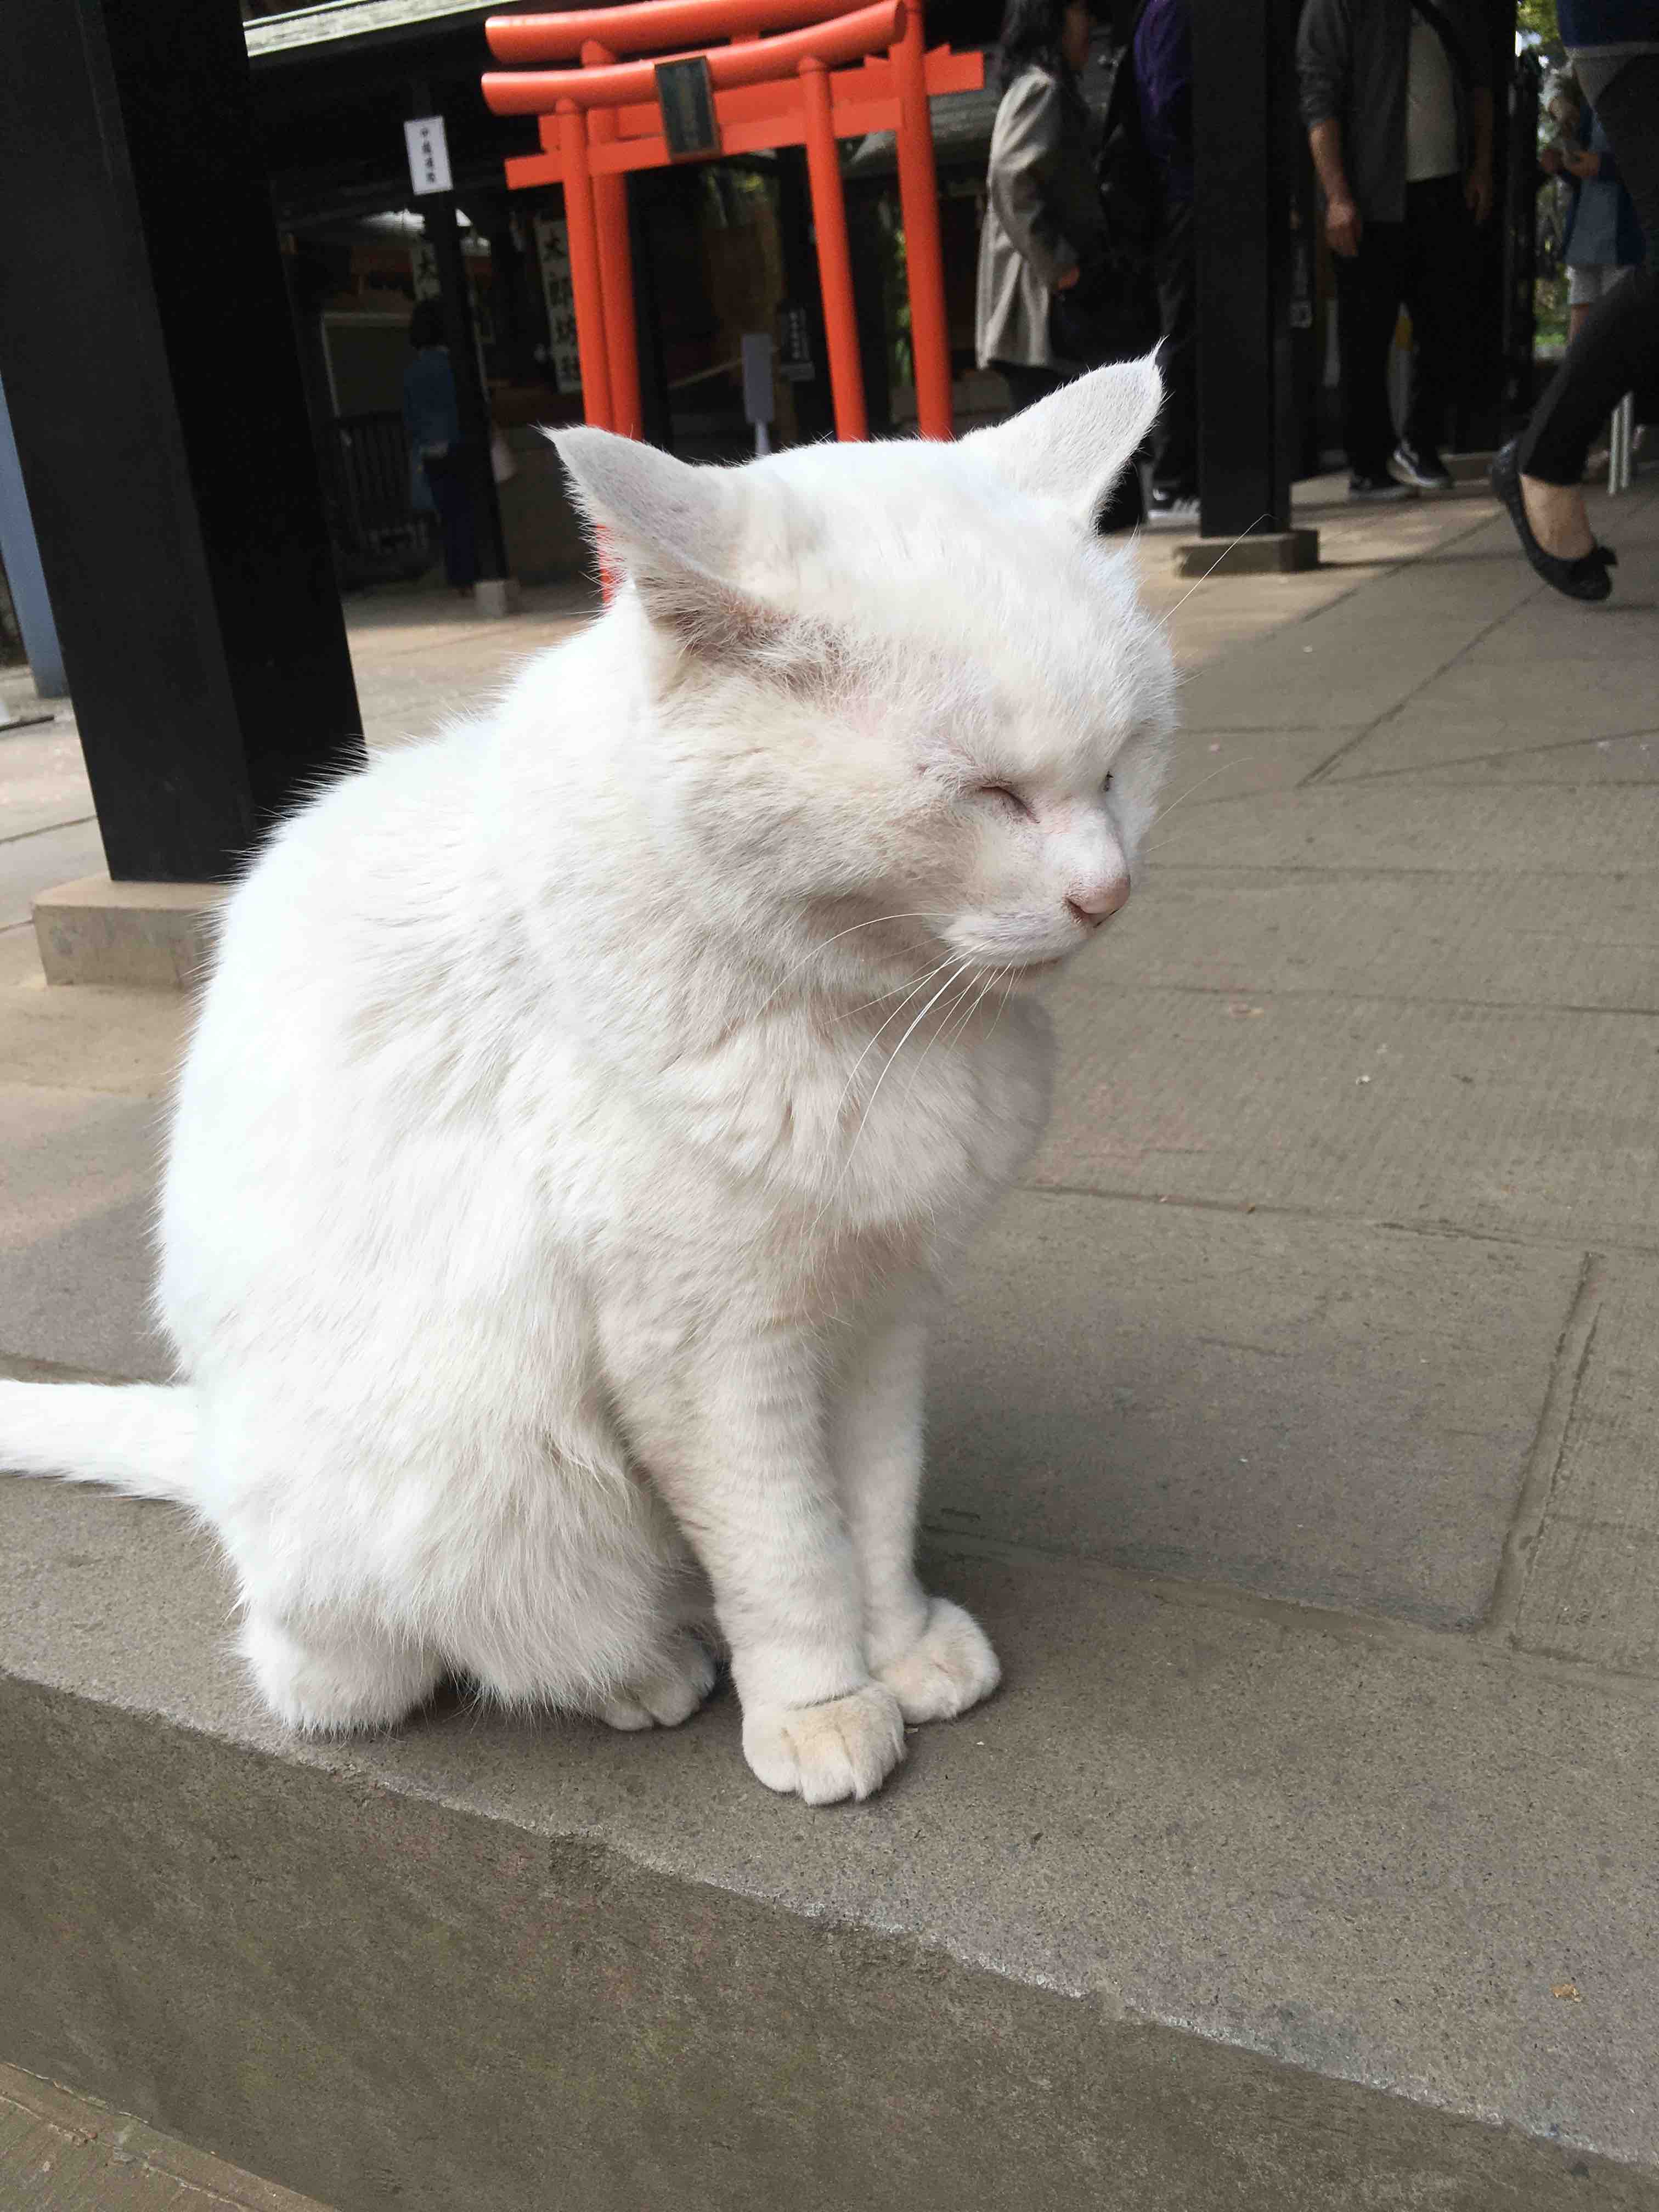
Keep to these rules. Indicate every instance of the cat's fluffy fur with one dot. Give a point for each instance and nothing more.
(584, 1103)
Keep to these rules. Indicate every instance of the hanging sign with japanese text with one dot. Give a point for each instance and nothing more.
(553, 254)
(429, 154)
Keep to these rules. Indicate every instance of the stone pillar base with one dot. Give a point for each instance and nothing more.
(1277, 552)
(156, 936)
(495, 596)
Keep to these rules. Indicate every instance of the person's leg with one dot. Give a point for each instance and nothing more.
(1436, 282)
(1584, 289)
(452, 498)
(1174, 442)
(1027, 383)
(1617, 348)
(1367, 309)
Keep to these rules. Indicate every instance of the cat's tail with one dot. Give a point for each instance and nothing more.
(139, 1437)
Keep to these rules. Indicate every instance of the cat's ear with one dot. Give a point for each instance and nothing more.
(673, 529)
(1073, 446)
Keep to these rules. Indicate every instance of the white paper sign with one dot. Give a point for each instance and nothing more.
(429, 154)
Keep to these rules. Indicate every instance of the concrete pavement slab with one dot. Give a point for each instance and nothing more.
(1494, 706)
(128, 1043)
(1594, 1589)
(43, 779)
(1410, 826)
(30, 863)
(1512, 939)
(1340, 1416)
(1200, 1909)
(1324, 670)
(1207, 765)
(76, 1199)
(1499, 1120)
(1631, 759)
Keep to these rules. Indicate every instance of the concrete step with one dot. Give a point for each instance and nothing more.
(1293, 1435)
(1222, 1900)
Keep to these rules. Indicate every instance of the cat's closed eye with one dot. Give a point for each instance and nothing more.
(1003, 791)
(1107, 785)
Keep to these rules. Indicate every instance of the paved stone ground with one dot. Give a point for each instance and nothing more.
(60, 2153)
(1292, 1432)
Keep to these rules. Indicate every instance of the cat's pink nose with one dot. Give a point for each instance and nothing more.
(1094, 902)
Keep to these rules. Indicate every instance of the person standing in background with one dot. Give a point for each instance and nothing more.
(1042, 219)
(1613, 45)
(1397, 101)
(432, 423)
(1043, 255)
(1162, 59)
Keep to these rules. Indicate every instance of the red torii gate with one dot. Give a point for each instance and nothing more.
(603, 118)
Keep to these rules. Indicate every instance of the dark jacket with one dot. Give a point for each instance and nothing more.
(1042, 215)
(1351, 57)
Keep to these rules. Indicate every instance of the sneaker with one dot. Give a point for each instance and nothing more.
(1381, 490)
(1176, 507)
(1420, 466)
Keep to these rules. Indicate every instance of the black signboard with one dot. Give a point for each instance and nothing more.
(795, 357)
(686, 101)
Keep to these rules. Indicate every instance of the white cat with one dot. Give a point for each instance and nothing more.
(585, 1101)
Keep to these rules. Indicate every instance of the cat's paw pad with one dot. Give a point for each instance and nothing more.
(668, 1694)
(949, 1668)
(846, 1748)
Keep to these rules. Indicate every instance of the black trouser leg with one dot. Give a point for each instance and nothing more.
(1368, 294)
(1027, 383)
(1124, 507)
(1436, 298)
(1175, 441)
(1618, 349)
(451, 490)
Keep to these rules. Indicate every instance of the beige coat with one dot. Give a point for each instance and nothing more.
(1043, 217)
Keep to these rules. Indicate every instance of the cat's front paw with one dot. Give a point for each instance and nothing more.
(846, 1748)
(950, 1668)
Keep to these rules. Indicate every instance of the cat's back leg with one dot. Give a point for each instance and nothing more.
(601, 1612)
(329, 1672)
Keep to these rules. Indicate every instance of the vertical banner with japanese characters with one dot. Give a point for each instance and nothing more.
(553, 252)
(423, 268)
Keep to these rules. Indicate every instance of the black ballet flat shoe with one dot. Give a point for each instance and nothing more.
(1585, 578)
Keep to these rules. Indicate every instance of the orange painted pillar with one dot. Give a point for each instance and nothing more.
(585, 265)
(616, 268)
(930, 336)
(840, 327)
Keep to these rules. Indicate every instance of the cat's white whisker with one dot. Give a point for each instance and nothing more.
(1217, 561)
(914, 991)
(870, 1103)
(916, 914)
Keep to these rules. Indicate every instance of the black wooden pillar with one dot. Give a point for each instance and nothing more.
(461, 336)
(148, 354)
(1247, 180)
(472, 401)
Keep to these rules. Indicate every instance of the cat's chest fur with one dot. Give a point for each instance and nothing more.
(843, 1155)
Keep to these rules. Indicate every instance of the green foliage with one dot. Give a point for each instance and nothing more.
(1536, 23)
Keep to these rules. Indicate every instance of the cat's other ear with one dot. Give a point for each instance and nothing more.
(1073, 446)
(673, 529)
